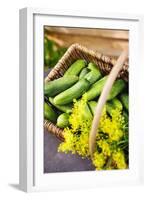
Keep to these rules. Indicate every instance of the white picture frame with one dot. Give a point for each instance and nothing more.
(31, 175)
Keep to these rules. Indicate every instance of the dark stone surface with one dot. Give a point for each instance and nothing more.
(60, 162)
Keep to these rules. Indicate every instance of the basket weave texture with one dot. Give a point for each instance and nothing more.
(74, 52)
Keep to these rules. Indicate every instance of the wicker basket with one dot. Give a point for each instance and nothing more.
(73, 53)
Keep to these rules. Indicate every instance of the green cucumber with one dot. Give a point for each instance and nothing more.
(74, 92)
(109, 108)
(49, 113)
(63, 120)
(117, 103)
(97, 88)
(83, 73)
(112, 105)
(91, 66)
(117, 88)
(94, 74)
(65, 108)
(86, 113)
(125, 100)
(54, 87)
(92, 106)
(75, 68)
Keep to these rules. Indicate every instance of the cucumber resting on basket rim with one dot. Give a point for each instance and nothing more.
(94, 73)
(75, 68)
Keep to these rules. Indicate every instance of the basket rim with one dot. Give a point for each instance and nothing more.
(103, 58)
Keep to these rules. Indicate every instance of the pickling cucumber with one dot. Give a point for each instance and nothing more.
(75, 68)
(54, 87)
(93, 67)
(83, 72)
(97, 88)
(112, 105)
(94, 74)
(86, 113)
(92, 106)
(125, 100)
(63, 120)
(73, 92)
(117, 87)
(117, 103)
(65, 108)
(49, 113)
(109, 108)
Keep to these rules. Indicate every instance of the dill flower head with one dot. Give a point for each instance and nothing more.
(76, 118)
(105, 147)
(119, 160)
(98, 160)
(70, 140)
(77, 137)
(112, 126)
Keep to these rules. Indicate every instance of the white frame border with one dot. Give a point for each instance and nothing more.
(27, 89)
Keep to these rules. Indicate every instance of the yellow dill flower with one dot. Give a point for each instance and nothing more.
(70, 140)
(76, 138)
(104, 145)
(82, 144)
(119, 160)
(112, 126)
(77, 116)
(98, 160)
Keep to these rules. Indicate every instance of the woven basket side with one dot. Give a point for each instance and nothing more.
(73, 53)
(54, 129)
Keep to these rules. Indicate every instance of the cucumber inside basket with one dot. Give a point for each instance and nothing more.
(71, 91)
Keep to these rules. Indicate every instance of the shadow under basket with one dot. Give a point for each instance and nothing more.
(73, 53)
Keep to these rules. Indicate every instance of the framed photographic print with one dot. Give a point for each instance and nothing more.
(80, 83)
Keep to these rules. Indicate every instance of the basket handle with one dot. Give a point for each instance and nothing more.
(103, 97)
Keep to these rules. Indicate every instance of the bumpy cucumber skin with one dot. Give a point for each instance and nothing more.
(49, 113)
(96, 89)
(63, 120)
(91, 66)
(125, 100)
(74, 92)
(94, 74)
(109, 108)
(83, 73)
(92, 106)
(75, 68)
(117, 88)
(54, 87)
(64, 108)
